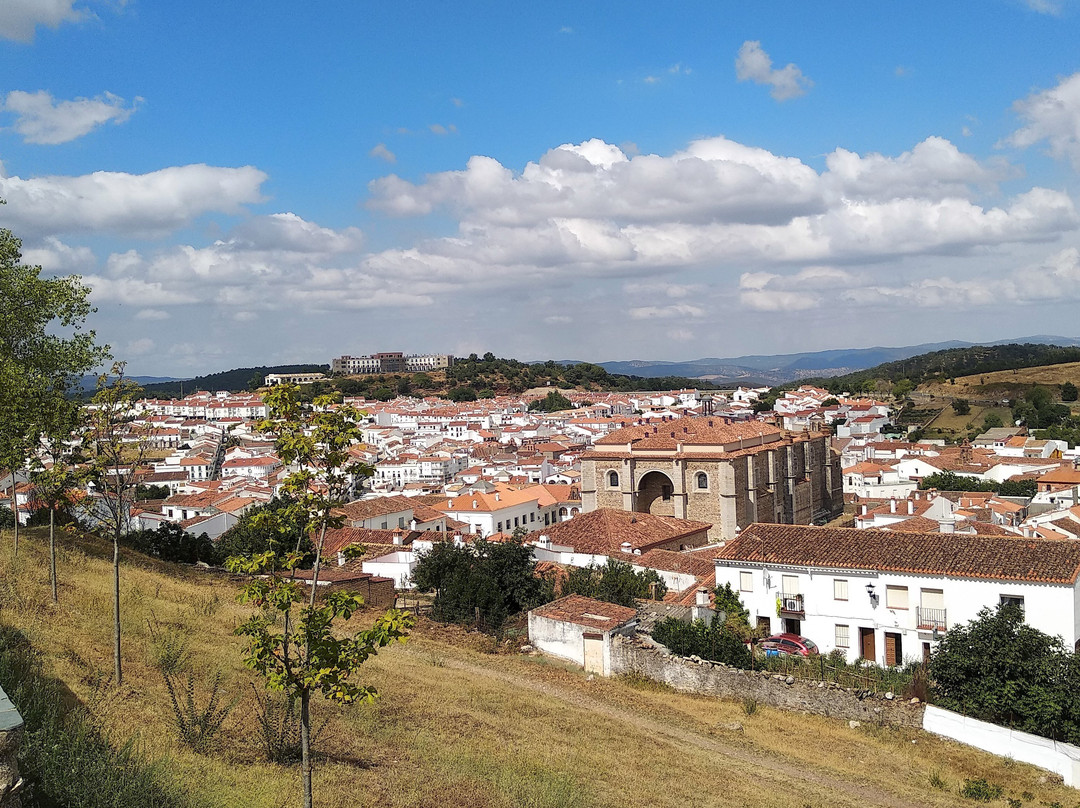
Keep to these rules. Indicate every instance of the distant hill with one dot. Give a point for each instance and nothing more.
(234, 381)
(955, 363)
(783, 368)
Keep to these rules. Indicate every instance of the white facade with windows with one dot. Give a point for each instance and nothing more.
(867, 607)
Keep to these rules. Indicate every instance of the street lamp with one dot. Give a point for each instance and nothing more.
(873, 595)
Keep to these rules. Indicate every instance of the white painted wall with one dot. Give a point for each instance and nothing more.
(1053, 609)
(1062, 758)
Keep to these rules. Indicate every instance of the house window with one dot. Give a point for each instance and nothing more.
(896, 597)
(842, 636)
(499, 527)
(839, 589)
(702, 480)
(515, 521)
(746, 581)
(384, 525)
(613, 479)
(532, 517)
(1012, 600)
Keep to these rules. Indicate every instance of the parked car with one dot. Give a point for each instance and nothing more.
(787, 645)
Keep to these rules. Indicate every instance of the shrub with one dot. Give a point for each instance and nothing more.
(63, 756)
(980, 790)
(615, 582)
(197, 727)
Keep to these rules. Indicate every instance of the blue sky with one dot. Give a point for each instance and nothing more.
(266, 183)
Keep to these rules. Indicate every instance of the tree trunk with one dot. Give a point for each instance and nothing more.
(52, 552)
(118, 672)
(305, 744)
(15, 510)
(318, 565)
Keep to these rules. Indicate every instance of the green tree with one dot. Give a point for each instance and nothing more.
(489, 580)
(615, 582)
(903, 388)
(992, 421)
(170, 542)
(291, 643)
(55, 486)
(255, 534)
(1069, 392)
(961, 406)
(115, 452)
(999, 669)
(44, 351)
(465, 393)
(554, 401)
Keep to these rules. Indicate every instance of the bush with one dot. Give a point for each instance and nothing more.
(961, 406)
(197, 727)
(615, 582)
(714, 642)
(170, 542)
(980, 790)
(63, 756)
(491, 581)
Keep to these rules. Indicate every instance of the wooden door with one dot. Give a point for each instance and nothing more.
(894, 654)
(866, 644)
(594, 653)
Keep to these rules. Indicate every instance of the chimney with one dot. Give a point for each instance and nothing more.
(946, 526)
(702, 597)
(496, 496)
(865, 507)
(544, 542)
(626, 547)
(412, 524)
(475, 504)
(892, 505)
(910, 506)
(397, 538)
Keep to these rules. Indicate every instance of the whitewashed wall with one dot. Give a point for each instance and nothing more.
(1061, 758)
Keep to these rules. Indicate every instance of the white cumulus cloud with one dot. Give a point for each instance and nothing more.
(20, 18)
(130, 204)
(752, 63)
(42, 119)
(1052, 116)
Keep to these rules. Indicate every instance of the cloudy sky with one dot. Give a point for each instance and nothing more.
(261, 183)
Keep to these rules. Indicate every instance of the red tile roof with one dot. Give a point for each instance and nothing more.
(954, 554)
(583, 611)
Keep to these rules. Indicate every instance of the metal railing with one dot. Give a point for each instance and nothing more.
(929, 619)
(791, 604)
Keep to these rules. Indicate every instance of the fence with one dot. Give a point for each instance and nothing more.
(870, 678)
(1055, 756)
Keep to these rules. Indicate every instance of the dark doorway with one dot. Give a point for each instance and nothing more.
(894, 652)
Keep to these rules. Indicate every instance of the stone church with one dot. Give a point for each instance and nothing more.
(711, 469)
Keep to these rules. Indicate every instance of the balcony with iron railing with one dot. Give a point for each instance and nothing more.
(929, 619)
(791, 605)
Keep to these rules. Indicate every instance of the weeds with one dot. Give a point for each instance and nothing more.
(980, 790)
(197, 727)
(279, 726)
(168, 648)
(937, 781)
(749, 705)
(63, 756)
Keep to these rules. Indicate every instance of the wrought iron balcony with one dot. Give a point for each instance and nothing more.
(930, 619)
(792, 605)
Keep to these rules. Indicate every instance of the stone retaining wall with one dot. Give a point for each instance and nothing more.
(11, 729)
(633, 655)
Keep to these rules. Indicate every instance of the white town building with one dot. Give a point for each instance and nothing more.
(888, 596)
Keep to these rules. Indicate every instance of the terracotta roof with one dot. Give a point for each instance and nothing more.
(583, 611)
(701, 431)
(379, 506)
(954, 554)
(604, 530)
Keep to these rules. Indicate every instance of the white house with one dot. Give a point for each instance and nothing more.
(889, 596)
(579, 629)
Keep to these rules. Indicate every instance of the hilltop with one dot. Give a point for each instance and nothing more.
(460, 718)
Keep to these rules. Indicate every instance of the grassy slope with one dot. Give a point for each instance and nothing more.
(456, 725)
(1000, 383)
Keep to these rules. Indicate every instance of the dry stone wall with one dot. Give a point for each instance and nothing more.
(634, 655)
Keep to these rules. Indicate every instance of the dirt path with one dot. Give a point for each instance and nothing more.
(859, 793)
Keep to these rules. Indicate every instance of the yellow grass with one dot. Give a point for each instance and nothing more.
(457, 726)
(975, 386)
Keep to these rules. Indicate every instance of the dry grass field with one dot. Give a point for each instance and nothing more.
(985, 384)
(458, 723)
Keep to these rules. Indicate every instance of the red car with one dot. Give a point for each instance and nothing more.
(787, 645)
